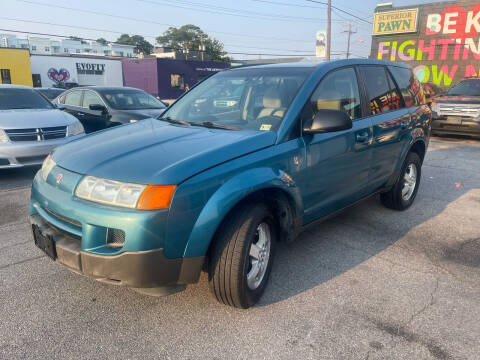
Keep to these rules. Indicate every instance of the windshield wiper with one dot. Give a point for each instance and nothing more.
(174, 121)
(212, 125)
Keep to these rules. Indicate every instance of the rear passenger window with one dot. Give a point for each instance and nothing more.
(396, 98)
(379, 91)
(73, 98)
(409, 86)
(338, 91)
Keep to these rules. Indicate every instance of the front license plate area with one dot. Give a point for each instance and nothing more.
(457, 120)
(44, 242)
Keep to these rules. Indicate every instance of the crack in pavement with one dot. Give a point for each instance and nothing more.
(401, 331)
(22, 261)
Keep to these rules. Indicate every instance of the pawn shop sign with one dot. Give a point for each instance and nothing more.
(395, 22)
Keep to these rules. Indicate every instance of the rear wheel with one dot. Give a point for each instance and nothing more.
(242, 255)
(403, 193)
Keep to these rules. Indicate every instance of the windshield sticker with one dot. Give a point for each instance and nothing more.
(265, 127)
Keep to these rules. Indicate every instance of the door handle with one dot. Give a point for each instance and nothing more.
(80, 114)
(362, 137)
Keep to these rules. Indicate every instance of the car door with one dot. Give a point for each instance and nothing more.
(390, 120)
(338, 163)
(72, 103)
(94, 119)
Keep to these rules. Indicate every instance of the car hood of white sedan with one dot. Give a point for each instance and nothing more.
(34, 118)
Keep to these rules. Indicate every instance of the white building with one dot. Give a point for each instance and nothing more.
(55, 70)
(47, 46)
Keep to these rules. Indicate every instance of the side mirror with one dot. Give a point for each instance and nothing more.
(328, 121)
(98, 107)
(59, 106)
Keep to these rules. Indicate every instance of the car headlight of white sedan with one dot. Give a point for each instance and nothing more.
(75, 128)
(47, 166)
(3, 136)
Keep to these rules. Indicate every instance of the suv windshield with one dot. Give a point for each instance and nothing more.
(127, 99)
(22, 99)
(253, 99)
(467, 87)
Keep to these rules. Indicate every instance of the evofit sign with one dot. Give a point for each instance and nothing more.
(395, 22)
(90, 69)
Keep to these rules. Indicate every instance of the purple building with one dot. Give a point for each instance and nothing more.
(167, 78)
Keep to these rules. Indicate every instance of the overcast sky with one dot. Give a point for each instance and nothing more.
(252, 26)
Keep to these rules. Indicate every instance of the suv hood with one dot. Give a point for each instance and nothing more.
(455, 99)
(155, 152)
(34, 118)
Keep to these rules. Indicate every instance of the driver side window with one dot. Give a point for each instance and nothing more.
(338, 90)
(90, 98)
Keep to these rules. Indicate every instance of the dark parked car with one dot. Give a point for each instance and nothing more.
(50, 93)
(98, 108)
(149, 205)
(431, 91)
(458, 111)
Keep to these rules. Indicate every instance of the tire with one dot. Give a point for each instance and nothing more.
(231, 265)
(396, 198)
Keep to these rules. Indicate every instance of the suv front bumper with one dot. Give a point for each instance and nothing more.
(140, 269)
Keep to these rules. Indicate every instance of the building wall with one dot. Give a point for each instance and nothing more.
(47, 46)
(18, 62)
(82, 70)
(444, 49)
(154, 75)
(141, 74)
(192, 72)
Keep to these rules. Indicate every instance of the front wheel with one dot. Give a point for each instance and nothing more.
(242, 255)
(403, 193)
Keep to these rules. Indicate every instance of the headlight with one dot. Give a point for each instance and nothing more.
(75, 128)
(3, 136)
(47, 166)
(129, 195)
(133, 120)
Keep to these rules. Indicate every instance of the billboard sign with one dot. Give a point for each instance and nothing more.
(321, 44)
(446, 47)
(395, 22)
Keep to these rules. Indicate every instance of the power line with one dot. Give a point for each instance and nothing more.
(212, 9)
(343, 11)
(286, 4)
(154, 22)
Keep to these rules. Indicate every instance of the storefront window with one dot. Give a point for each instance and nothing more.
(5, 74)
(177, 81)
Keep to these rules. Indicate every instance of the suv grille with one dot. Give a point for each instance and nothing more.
(64, 218)
(37, 134)
(459, 110)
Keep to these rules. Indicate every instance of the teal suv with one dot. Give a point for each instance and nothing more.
(151, 204)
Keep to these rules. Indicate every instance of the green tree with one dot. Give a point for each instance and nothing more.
(141, 45)
(191, 37)
(102, 41)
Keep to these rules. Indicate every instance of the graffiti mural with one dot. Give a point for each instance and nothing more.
(446, 46)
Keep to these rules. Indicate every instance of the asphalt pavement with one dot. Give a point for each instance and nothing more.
(371, 283)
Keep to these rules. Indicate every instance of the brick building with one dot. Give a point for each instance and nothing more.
(440, 41)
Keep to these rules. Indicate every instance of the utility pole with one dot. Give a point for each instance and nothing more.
(329, 29)
(349, 32)
(202, 48)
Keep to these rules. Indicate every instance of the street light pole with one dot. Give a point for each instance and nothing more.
(329, 29)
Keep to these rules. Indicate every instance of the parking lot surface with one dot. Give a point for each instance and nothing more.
(371, 283)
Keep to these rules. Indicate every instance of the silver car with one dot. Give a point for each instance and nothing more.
(30, 127)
